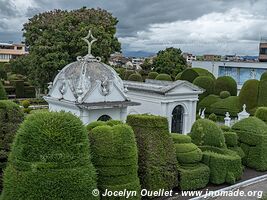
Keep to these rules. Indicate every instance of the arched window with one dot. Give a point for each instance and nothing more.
(177, 119)
(104, 118)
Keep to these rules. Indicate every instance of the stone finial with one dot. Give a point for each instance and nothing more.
(244, 114)
(227, 119)
(90, 43)
(202, 116)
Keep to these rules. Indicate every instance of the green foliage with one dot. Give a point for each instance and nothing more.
(3, 74)
(95, 124)
(231, 139)
(226, 83)
(193, 177)
(230, 104)
(113, 122)
(261, 113)
(128, 73)
(163, 77)
(206, 83)
(169, 61)
(188, 153)
(213, 117)
(120, 71)
(53, 48)
(225, 128)
(252, 136)
(224, 94)
(191, 74)
(206, 132)
(264, 76)
(262, 99)
(10, 118)
(25, 103)
(249, 94)
(179, 138)
(207, 102)
(157, 161)
(7, 67)
(117, 143)
(147, 65)
(21, 65)
(19, 88)
(203, 72)
(3, 95)
(225, 165)
(178, 76)
(50, 159)
(152, 75)
(135, 77)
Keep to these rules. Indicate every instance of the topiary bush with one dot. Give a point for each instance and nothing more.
(261, 113)
(252, 135)
(179, 138)
(178, 76)
(207, 102)
(206, 83)
(206, 132)
(249, 94)
(224, 94)
(164, 77)
(213, 117)
(117, 144)
(152, 75)
(50, 160)
(135, 77)
(128, 73)
(264, 76)
(25, 103)
(225, 128)
(3, 95)
(191, 74)
(262, 97)
(225, 83)
(157, 160)
(231, 139)
(10, 118)
(188, 153)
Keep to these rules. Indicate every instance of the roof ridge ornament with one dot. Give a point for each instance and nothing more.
(89, 39)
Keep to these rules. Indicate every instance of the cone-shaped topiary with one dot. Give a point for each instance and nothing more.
(206, 132)
(157, 161)
(225, 83)
(10, 118)
(50, 160)
(206, 83)
(262, 99)
(3, 95)
(135, 77)
(152, 75)
(164, 77)
(249, 94)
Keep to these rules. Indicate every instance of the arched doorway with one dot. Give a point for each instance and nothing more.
(177, 119)
(104, 118)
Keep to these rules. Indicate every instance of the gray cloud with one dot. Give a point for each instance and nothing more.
(7, 9)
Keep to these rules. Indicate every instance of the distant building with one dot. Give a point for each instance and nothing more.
(11, 51)
(211, 57)
(263, 51)
(189, 57)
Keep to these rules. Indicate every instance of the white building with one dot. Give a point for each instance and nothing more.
(89, 89)
(175, 100)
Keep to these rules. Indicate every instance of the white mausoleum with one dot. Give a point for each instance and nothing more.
(175, 100)
(89, 89)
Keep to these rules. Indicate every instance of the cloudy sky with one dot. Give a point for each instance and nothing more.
(197, 26)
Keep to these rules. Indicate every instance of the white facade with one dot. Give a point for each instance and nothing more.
(162, 97)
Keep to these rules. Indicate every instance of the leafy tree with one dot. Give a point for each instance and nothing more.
(169, 61)
(54, 38)
(147, 65)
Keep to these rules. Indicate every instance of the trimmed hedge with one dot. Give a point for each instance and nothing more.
(225, 165)
(180, 138)
(224, 94)
(213, 117)
(206, 132)
(128, 73)
(10, 118)
(231, 139)
(264, 76)
(226, 83)
(152, 75)
(163, 77)
(225, 128)
(178, 76)
(249, 94)
(3, 95)
(206, 83)
(193, 177)
(261, 113)
(135, 77)
(50, 160)
(191, 74)
(157, 160)
(188, 153)
(207, 102)
(116, 143)
(252, 134)
(262, 99)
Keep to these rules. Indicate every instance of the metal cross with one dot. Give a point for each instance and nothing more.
(93, 39)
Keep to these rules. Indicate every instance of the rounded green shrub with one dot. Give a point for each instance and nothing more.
(25, 103)
(224, 94)
(164, 77)
(95, 124)
(3, 95)
(207, 102)
(203, 72)
(128, 73)
(261, 113)
(231, 139)
(180, 138)
(113, 122)
(213, 117)
(264, 76)
(156, 157)
(50, 159)
(262, 98)
(225, 128)
(188, 153)
(225, 83)
(206, 83)
(249, 94)
(152, 75)
(189, 75)
(135, 77)
(3, 74)
(206, 132)
(178, 76)
(115, 157)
